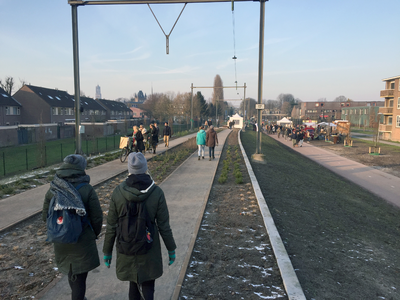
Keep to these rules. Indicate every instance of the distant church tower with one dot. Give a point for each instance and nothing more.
(98, 93)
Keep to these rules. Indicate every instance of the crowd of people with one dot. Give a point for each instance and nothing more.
(295, 134)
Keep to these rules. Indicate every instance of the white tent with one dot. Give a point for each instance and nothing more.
(309, 123)
(284, 121)
(238, 121)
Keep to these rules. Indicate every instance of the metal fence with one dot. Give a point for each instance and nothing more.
(16, 160)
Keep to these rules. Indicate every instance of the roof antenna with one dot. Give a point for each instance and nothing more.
(167, 36)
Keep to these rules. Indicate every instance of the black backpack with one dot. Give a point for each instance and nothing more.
(135, 230)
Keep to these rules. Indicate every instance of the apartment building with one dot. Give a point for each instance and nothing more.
(390, 127)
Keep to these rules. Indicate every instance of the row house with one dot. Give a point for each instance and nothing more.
(115, 110)
(390, 127)
(327, 111)
(365, 116)
(10, 109)
(43, 105)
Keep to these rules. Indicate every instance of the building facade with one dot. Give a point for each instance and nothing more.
(390, 127)
(10, 109)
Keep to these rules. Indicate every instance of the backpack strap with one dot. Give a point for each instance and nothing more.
(84, 218)
(81, 185)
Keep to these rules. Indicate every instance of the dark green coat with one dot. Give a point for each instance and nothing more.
(140, 268)
(83, 256)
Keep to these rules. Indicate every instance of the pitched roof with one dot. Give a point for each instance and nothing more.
(89, 103)
(54, 98)
(114, 105)
(7, 99)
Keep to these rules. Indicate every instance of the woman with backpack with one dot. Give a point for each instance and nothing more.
(70, 188)
(140, 266)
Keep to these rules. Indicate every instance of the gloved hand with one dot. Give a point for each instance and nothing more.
(172, 257)
(107, 260)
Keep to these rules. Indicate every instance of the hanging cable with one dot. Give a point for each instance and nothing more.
(234, 40)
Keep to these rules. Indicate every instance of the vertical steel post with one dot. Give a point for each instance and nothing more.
(260, 73)
(191, 110)
(244, 106)
(74, 10)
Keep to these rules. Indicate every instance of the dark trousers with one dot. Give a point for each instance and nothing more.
(147, 290)
(211, 151)
(78, 285)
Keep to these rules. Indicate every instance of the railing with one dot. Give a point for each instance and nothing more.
(387, 93)
(384, 127)
(386, 110)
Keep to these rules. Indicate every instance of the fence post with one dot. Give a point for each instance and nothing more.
(4, 164)
(106, 143)
(61, 152)
(87, 148)
(45, 155)
(26, 157)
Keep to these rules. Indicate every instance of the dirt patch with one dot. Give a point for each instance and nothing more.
(232, 257)
(388, 161)
(342, 240)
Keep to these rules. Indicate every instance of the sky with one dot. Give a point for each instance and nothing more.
(313, 49)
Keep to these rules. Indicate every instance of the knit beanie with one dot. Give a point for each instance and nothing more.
(78, 161)
(137, 163)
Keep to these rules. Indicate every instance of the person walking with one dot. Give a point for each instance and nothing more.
(201, 141)
(211, 141)
(140, 270)
(76, 260)
(139, 146)
(154, 136)
(166, 134)
(294, 137)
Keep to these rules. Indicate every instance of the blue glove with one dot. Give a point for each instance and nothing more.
(172, 257)
(107, 260)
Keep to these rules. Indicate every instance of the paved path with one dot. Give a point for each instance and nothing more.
(377, 182)
(21, 206)
(186, 191)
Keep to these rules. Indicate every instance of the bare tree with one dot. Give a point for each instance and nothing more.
(340, 99)
(218, 92)
(8, 84)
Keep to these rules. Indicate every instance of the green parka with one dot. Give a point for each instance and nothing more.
(140, 268)
(83, 256)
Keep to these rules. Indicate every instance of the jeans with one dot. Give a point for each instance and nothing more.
(147, 288)
(211, 151)
(201, 149)
(78, 285)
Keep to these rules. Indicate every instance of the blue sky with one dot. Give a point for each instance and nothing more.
(313, 48)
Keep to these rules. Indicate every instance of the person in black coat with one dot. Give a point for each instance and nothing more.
(139, 146)
(166, 134)
(154, 137)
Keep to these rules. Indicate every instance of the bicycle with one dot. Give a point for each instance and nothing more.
(125, 149)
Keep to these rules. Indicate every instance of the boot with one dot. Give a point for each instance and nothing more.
(210, 159)
(203, 157)
(199, 157)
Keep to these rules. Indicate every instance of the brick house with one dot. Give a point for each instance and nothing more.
(390, 129)
(92, 111)
(115, 110)
(42, 105)
(10, 109)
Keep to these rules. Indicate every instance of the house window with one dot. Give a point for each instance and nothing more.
(12, 110)
(397, 121)
(91, 112)
(112, 112)
(392, 85)
(347, 104)
(70, 111)
(97, 112)
(103, 112)
(389, 120)
(398, 103)
(59, 111)
(365, 111)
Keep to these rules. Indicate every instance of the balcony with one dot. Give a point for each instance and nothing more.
(387, 93)
(384, 127)
(386, 110)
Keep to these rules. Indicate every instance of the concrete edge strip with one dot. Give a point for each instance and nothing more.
(289, 277)
(186, 261)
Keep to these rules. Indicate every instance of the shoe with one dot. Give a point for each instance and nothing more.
(203, 157)
(199, 158)
(210, 159)
(213, 157)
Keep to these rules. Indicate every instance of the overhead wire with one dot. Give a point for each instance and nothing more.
(234, 40)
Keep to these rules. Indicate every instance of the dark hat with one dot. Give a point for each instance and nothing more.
(137, 163)
(76, 160)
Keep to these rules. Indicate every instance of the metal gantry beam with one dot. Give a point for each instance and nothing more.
(110, 2)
